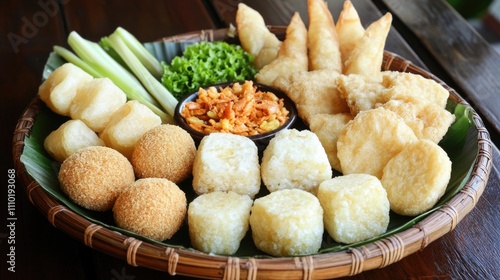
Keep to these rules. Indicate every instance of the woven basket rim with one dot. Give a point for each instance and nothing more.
(183, 261)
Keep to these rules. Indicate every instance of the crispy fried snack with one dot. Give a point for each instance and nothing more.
(416, 178)
(292, 56)
(323, 42)
(428, 121)
(369, 141)
(349, 29)
(366, 58)
(414, 88)
(361, 94)
(419, 101)
(255, 37)
(313, 92)
(328, 128)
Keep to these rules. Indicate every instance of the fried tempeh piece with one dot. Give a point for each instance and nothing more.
(255, 37)
(292, 56)
(366, 58)
(323, 42)
(349, 29)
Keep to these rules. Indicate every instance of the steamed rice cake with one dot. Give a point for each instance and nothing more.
(287, 223)
(218, 221)
(226, 162)
(295, 160)
(355, 207)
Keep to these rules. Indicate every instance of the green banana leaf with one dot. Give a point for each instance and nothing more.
(44, 169)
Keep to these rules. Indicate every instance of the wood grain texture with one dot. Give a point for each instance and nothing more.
(471, 62)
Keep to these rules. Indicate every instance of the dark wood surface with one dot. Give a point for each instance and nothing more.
(470, 251)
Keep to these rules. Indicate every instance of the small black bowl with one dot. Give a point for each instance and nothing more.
(261, 140)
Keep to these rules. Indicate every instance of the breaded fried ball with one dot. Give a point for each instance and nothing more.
(416, 178)
(93, 177)
(152, 207)
(166, 151)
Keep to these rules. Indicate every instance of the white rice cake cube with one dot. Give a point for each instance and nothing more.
(218, 221)
(295, 159)
(287, 222)
(356, 207)
(227, 162)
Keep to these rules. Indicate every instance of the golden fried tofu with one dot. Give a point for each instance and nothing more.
(96, 101)
(428, 121)
(414, 88)
(127, 125)
(292, 56)
(349, 29)
(417, 177)
(323, 42)
(60, 87)
(313, 92)
(328, 128)
(70, 137)
(370, 140)
(366, 57)
(255, 37)
(360, 93)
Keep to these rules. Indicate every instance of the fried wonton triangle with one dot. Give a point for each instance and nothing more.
(323, 42)
(255, 37)
(349, 29)
(366, 58)
(292, 56)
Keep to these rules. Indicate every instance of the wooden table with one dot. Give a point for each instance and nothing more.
(31, 28)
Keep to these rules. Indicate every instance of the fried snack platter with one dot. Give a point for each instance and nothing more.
(94, 228)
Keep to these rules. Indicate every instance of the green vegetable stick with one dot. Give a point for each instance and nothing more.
(146, 58)
(71, 57)
(96, 57)
(155, 88)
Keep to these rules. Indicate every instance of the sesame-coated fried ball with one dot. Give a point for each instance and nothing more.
(166, 151)
(93, 177)
(152, 207)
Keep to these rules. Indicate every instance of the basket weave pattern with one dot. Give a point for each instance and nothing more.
(329, 265)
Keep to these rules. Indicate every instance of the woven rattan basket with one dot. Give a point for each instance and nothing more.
(181, 261)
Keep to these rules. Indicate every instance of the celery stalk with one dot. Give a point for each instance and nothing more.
(95, 56)
(154, 86)
(71, 57)
(146, 58)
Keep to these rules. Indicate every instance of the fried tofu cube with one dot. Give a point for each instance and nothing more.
(96, 101)
(127, 125)
(59, 89)
(417, 177)
(70, 137)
